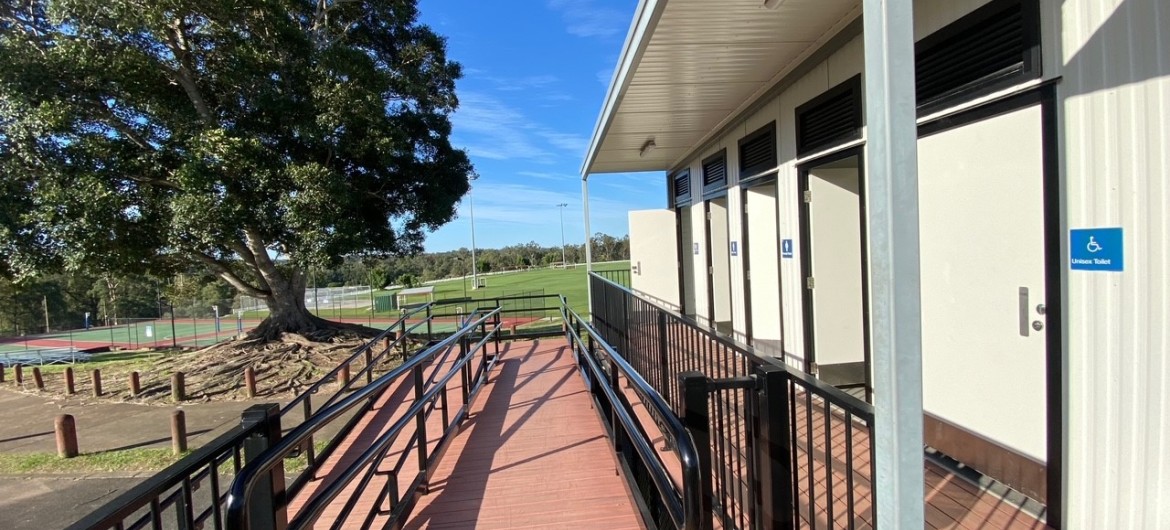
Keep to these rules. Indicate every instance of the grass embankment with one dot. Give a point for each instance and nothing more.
(124, 461)
(121, 461)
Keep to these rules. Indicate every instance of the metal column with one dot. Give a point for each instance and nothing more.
(588, 241)
(896, 312)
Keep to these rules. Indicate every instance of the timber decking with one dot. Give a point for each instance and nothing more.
(532, 454)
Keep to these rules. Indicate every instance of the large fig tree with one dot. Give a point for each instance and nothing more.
(255, 137)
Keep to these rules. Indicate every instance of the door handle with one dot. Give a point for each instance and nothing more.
(1025, 308)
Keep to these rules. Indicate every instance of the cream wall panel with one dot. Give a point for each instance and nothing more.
(1114, 101)
(653, 255)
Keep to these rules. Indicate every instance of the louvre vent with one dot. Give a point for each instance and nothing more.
(987, 48)
(757, 152)
(681, 183)
(715, 173)
(831, 118)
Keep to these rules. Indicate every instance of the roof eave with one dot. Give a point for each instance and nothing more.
(646, 18)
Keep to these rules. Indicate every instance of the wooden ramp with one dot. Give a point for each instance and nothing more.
(532, 454)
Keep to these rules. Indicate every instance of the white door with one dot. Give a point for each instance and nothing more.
(982, 229)
(654, 255)
(762, 255)
(838, 301)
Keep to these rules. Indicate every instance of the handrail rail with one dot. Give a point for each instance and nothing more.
(309, 513)
(235, 513)
(369, 345)
(686, 512)
(858, 407)
(113, 514)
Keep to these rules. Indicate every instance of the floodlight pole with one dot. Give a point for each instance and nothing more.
(588, 241)
(561, 207)
(474, 265)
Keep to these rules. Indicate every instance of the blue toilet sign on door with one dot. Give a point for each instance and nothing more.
(1096, 249)
(786, 248)
(734, 248)
(696, 249)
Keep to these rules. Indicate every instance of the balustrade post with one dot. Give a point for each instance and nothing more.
(697, 421)
(266, 507)
(774, 473)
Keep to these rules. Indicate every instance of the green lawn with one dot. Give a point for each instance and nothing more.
(568, 282)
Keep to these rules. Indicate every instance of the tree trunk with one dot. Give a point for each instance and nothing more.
(286, 308)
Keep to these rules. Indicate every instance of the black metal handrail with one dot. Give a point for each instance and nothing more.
(242, 488)
(664, 345)
(184, 476)
(175, 485)
(684, 508)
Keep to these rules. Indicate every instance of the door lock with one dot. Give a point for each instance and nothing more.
(1040, 309)
(1037, 325)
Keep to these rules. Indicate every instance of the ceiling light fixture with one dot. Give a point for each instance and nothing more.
(772, 4)
(646, 148)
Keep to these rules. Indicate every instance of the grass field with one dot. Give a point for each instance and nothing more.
(157, 333)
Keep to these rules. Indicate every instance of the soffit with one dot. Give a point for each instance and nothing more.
(690, 65)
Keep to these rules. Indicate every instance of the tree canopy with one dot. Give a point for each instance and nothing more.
(255, 137)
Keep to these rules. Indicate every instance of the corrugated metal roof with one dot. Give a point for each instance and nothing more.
(689, 66)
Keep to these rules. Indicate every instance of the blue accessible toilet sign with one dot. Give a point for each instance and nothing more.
(1096, 249)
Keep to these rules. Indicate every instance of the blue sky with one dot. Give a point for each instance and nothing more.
(535, 75)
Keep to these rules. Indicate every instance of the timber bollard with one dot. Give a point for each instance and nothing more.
(135, 384)
(19, 377)
(178, 432)
(250, 381)
(70, 388)
(97, 382)
(343, 375)
(178, 390)
(2, 369)
(37, 379)
(66, 430)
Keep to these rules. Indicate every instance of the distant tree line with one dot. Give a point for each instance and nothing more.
(111, 298)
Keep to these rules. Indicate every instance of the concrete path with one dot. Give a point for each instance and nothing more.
(56, 501)
(26, 423)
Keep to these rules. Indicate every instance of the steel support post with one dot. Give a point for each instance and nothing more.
(895, 287)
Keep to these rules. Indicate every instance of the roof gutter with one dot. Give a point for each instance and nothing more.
(645, 21)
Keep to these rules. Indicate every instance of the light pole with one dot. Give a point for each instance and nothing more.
(474, 265)
(562, 206)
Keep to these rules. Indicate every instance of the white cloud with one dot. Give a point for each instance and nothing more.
(604, 76)
(489, 128)
(546, 176)
(531, 82)
(584, 18)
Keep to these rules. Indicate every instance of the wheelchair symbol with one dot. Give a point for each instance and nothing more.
(1093, 246)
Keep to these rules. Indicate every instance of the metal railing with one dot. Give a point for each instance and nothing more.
(618, 276)
(251, 504)
(523, 315)
(189, 490)
(179, 487)
(784, 448)
(667, 504)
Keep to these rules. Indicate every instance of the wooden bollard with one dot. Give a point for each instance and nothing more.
(97, 382)
(19, 374)
(178, 431)
(250, 381)
(343, 375)
(2, 369)
(178, 391)
(135, 384)
(37, 378)
(512, 329)
(66, 436)
(69, 386)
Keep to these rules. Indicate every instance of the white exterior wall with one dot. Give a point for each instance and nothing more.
(1113, 58)
(1114, 102)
